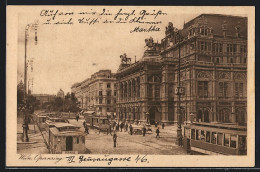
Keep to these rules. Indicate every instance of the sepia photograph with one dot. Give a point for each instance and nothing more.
(144, 86)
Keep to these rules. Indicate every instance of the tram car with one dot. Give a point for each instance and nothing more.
(67, 115)
(66, 138)
(215, 139)
(98, 122)
(51, 122)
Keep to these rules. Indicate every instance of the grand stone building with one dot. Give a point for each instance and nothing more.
(211, 51)
(97, 93)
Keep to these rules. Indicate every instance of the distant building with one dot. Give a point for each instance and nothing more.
(97, 93)
(60, 94)
(44, 98)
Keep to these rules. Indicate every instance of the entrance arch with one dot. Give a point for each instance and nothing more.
(154, 115)
(206, 116)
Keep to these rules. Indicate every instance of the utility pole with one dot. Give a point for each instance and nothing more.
(26, 105)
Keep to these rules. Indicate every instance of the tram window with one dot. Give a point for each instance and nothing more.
(192, 133)
(207, 136)
(233, 141)
(226, 139)
(187, 133)
(220, 139)
(77, 140)
(213, 138)
(197, 135)
(202, 136)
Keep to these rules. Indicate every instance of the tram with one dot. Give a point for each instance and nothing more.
(215, 139)
(66, 138)
(99, 122)
(51, 122)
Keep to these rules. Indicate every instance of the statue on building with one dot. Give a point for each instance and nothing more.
(125, 59)
(150, 44)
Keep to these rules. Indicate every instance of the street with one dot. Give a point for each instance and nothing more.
(101, 143)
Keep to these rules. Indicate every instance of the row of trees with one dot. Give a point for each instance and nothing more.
(67, 104)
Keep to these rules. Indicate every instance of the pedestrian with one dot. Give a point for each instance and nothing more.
(163, 126)
(86, 129)
(117, 127)
(114, 139)
(84, 124)
(77, 117)
(155, 124)
(180, 140)
(109, 129)
(157, 132)
(144, 131)
(131, 129)
(121, 126)
(126, 126)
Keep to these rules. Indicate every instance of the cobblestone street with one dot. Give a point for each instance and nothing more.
(101, 143)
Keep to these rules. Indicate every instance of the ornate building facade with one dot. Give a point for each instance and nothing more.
(211, 51)
(97, 93)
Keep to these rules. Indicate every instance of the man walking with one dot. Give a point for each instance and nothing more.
(144, 131)
(86, 129)
(114, 139)
(131, 129)
(157, 132)
(163, 126)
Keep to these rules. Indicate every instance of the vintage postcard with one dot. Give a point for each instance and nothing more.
(130, 86)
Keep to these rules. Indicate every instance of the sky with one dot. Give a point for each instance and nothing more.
(66, 54)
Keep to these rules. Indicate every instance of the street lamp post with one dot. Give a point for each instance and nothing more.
(179, 130)
(25, 117)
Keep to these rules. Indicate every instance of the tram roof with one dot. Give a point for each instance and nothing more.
(56, 132)
(218, 128)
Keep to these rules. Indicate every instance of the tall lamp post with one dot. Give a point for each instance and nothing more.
(179, 129)
(25, 118)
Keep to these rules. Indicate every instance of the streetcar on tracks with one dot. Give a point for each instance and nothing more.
(215, 139)
(65, 138)
(98, 122)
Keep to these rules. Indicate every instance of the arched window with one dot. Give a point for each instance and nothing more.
(217, 60)
(225, 116)
(199, 116)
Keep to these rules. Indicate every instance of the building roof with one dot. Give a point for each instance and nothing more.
(216, 21)
(56, 132)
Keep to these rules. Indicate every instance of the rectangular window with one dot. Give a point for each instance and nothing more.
(197, 135)
(240, 89)
(100, 85)
(220, 139)
(203, 89)
(208, 136)
(108, 101)
(100, 101)
(226, 139)
(237, 89)
(108, 85)
(114, 93)
(233, 141)
(213, 138)
(192, 133)
(77, 140)
(202, 46)
(223, 89)
(108, 93)
(100, 93)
